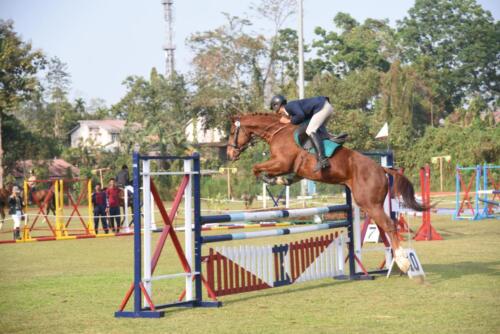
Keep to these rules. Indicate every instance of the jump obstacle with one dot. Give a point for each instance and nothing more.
(486, 195)
(58, 225)
(232, 269)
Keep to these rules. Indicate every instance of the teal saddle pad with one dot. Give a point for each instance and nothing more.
(330, 146)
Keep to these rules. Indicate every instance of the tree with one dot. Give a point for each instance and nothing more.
(156, 112)
(225, 63)
(456, 43)
(19, 65)
(356, 47)
(57, 87)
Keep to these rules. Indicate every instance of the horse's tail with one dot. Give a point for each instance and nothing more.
(403, 186)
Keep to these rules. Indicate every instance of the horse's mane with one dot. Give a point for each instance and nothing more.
(265, 114)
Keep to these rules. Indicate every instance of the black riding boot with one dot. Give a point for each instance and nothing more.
(17, 234)
(320, 152)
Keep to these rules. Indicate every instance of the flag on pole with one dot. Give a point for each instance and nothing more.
(384, 132)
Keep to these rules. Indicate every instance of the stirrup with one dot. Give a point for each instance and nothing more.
(339, 139)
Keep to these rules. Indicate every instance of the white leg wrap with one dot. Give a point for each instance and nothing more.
(402, 259)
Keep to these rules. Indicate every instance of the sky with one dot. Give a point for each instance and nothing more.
(104, 41)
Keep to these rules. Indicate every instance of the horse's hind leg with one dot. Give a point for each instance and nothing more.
(387, 225)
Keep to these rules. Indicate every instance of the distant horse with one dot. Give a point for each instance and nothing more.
(40, 198)
(4, 202)
(365, 178)
(248, 199)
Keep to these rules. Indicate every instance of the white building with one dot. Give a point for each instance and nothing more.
(196, 133)
(100, 133)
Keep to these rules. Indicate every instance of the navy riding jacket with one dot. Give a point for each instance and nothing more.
(300, 110)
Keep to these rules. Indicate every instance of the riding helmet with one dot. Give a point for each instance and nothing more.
(276, 102)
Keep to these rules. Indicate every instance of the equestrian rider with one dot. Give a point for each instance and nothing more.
(317, 110)
(16, 210)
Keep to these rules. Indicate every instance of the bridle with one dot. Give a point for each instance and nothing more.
(237, 130)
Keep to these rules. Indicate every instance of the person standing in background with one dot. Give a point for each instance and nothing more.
(16, 211)
(99, 201)
(113, 205)
(122, 178)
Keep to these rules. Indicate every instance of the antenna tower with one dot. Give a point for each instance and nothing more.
(168, 46)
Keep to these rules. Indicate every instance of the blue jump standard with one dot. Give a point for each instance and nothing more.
(271, 233)
(272, 214)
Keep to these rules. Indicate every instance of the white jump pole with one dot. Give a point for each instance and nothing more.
(356, 225)
(126, 228)
(287, 196)
(264, 196)
(153, 219)
(146, 197)
(188, 226)
(387, 209)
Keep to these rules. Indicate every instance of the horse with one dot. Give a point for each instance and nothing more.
(364, 177)
(39, 197)
(4, 202)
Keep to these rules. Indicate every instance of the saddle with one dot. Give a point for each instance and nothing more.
(330, 142)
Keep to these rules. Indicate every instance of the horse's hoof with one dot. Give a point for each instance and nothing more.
(402, 260)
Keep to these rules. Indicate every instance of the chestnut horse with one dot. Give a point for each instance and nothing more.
(4, 202)
(40, 198)
(365, 178)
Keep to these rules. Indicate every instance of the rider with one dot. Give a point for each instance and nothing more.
(317, 109)
(16, 210)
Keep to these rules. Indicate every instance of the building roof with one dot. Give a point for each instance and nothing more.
(57, 168)
(111, 125)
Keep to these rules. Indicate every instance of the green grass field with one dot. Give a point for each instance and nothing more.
(76, 286)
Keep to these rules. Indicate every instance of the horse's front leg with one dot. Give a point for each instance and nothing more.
(271, 167)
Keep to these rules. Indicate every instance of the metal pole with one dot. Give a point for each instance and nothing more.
(137, 232)
(456, 214)
(303, 183)
(441, 173)
(228, 184)
(197, 227)
(188, 234)
(350, 233)
(146, 198)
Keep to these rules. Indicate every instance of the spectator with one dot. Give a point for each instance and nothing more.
(99, 200)
(113, 205)
(122, 178)
(16, 210)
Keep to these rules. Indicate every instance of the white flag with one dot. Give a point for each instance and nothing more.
(384, 132)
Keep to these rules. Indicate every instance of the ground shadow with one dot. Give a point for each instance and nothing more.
(284, 290)
(460, 269)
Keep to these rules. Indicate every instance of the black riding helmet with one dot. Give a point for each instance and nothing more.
(277, 101)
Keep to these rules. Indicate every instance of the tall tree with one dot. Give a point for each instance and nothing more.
(457, 42)
(225, 63)
(156, 112)
(57, 86)
(355, 47)
(19, 65)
